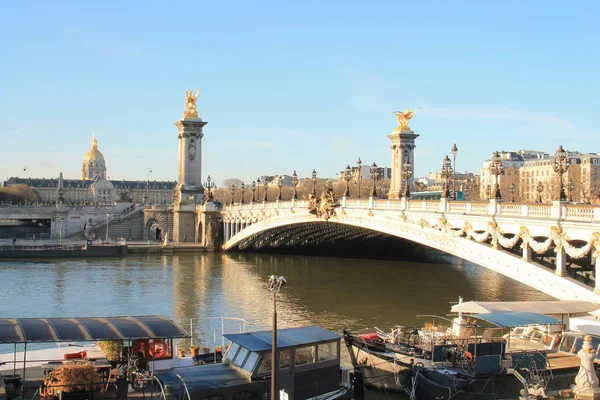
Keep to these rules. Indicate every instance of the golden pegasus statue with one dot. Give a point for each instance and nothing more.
(190, 104)
(403, 119)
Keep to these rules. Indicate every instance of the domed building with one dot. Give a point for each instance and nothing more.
(103, 192)
(94, 167)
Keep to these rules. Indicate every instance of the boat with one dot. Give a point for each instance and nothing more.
(309, 368)
(488, 369)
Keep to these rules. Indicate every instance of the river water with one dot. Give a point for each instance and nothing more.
(335, 293)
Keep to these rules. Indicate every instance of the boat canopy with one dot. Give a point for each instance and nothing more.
(292, 337)
(512, 319)
(27, 330)
(541, 307)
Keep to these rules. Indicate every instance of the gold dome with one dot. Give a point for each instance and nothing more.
(93, 155)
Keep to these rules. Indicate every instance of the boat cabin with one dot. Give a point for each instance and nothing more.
(308, 366)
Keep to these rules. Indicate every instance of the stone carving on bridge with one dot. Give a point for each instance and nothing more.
(190, 104)
(324, 206)
(403, 119)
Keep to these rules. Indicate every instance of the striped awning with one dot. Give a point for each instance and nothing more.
(27, 330)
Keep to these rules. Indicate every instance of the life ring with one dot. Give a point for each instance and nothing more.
(159, 348)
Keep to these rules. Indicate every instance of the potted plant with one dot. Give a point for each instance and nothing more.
(194, 350)
(112, 349)
(181, 352)
(73, 381)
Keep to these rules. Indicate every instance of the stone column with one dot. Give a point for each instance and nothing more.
(561, 259)
(526, 253)
(403, 145)
(209, 220)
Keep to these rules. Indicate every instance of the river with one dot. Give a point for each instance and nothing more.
(335, 293)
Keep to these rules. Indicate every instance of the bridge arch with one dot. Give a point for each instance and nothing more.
(154, 227)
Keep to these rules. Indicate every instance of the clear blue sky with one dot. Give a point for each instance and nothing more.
(300, 85)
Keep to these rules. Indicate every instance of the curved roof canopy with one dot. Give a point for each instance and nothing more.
(26, 330)
(540, 307)
(512, 319)
(291, 337)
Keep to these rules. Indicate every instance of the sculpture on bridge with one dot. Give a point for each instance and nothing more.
(403, 119)
(190, 104)
(325, 205)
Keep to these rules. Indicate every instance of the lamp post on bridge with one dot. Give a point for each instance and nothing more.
(265, 187)
(347, 177)
(275, 285)
(497, 169)
(295, 184)
(257, 189)
(446, 173)
(374, 172)
(454, 150)
(540, 189)
(253, 188)
(406, 175)
(314, 182)
(571, 188)
(232, 193)
(561, 165)
(359, 177)
(242, 189)
(279, 186)
(209, 185)
(512, 189)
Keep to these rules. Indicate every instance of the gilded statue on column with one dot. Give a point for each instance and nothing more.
(403, 119)
(190, 104)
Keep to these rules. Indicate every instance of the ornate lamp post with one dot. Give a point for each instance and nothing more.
(265, 187)
(232, 193)
(209, 185)
(253, 189)
(314, 182)
(243, 190)
(540, 189)
(275, 285)
(512, 189)
(258, 188)
(571, 188)
(279, 185)
(295, 184)
(446, 173)
(497, 169)
(359, 175)
(374, 172)
(454, 150)
(561, 165)
(406, 174)
(488, 191)
(347, 178)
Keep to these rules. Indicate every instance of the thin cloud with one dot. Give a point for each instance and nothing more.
(248, 143)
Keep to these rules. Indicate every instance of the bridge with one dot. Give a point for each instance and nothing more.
(554, 248)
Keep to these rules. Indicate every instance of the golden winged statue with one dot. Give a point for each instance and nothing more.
(190, 104)
(403, 119)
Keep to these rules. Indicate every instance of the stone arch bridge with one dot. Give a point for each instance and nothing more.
(554, 248)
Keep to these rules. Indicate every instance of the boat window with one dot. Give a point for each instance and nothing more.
(265, 364)
(251, 362)
(567, 343)
(578, 344)
(537, 336)
(305, 355)
(241, 357)
(231, 351)
(284, 358)
(327, 351)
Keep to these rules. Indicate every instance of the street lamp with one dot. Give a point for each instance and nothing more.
(253, 187)
(571, 188)
(540, 189)
(275, 285)
(512, 189)
(257, 189)
(359, 177)
(279, 186)
(446, 173)
(561, 165)
(454, 150)
(347, 178)
(374, 172)
(107, 215)
(210, 185)
(232, 192)
(406, 174)
(314, 182)
(243, 189)
(265, 187)
(295, 183)
(497, 169)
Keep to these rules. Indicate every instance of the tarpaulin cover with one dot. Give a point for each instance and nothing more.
(511, 319)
